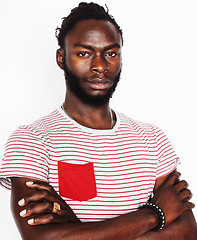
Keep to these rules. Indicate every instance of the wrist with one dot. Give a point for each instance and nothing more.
(151, 216)
(158, 214)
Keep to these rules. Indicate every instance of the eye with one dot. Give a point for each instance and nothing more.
(111, 54)
(84, 54)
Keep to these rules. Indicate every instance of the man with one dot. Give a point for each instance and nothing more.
(86, 171)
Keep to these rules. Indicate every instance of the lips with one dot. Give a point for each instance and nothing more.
(99, 84)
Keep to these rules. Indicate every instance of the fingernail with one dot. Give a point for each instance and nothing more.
(21, 202)
(22, 213)
(29, 183)
(30, 221)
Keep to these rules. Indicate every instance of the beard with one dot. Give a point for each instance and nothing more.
(73, 83)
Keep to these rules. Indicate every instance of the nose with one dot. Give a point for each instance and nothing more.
(99, 65)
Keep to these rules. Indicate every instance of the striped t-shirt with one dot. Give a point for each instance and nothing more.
(101, 174)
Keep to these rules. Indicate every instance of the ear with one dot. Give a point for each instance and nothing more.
(60, 57)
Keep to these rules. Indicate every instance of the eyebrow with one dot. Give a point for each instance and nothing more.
(115, 45)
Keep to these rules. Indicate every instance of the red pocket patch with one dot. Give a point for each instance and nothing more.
(77, 181)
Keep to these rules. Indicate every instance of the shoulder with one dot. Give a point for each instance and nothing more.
(150, 132)
(38, 129)
(140, 126)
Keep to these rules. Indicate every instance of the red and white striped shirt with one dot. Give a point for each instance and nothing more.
(100, 173)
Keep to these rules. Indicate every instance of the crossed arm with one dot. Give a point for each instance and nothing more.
(35, 219)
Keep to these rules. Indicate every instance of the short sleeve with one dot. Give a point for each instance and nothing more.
(25, 155)
(167, 158)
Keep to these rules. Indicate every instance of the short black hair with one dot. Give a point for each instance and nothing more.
(84, 11)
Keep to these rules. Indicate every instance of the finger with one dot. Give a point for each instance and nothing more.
(185, 194)
(45, 219)
(37, 196)
(181, 185)
(40, 186)
(41, 207)
(172, 179)
(189, 205)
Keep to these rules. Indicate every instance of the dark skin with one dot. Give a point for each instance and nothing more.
(92, 49)
(95, 48)
(172, 196)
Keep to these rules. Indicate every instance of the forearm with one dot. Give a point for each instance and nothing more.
(64, 225)
(183, 228)
(128, 226)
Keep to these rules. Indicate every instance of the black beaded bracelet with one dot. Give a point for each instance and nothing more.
(160, 214)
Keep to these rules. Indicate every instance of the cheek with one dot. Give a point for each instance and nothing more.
(80, 68)
(115, 67)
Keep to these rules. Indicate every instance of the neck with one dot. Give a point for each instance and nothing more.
(96, 117)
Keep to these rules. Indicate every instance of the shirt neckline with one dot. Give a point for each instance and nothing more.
(92, 130)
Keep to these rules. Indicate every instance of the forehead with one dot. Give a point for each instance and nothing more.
(93, 32)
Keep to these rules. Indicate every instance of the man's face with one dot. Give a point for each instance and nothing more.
(92, 60)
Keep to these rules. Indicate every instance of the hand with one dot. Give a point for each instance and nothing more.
(173, 197)
(39, 205)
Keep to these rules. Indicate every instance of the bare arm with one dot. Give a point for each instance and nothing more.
(128, 226)
(183, 228)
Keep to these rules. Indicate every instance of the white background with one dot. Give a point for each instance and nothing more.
(158, 82)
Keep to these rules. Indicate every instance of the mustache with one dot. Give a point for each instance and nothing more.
(101, 76)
